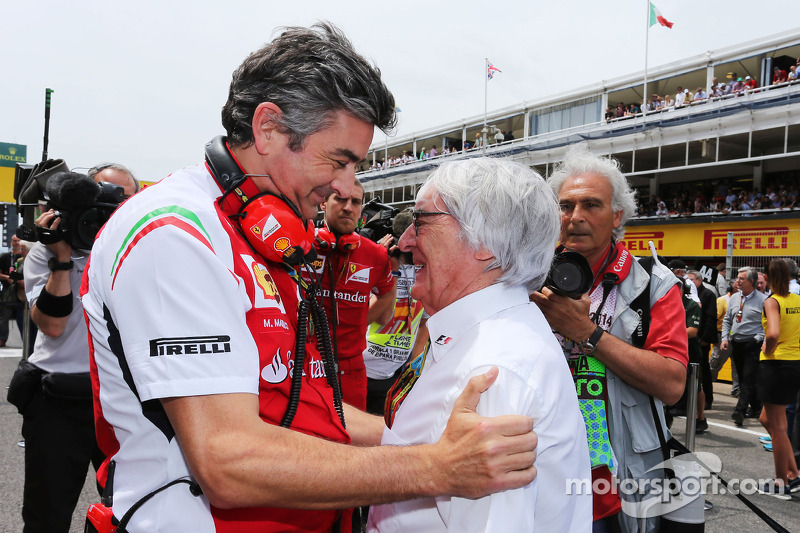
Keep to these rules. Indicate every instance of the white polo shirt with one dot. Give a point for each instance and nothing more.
(496, 326)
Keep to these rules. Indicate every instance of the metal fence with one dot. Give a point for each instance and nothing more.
(757, 248)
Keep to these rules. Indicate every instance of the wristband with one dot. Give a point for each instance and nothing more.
(396, 273)
(55, 306)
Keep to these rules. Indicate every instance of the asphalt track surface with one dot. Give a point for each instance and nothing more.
(741, 454)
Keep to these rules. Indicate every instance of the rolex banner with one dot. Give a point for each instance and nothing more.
(10, 155)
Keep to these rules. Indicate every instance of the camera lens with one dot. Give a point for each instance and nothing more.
(570, 275)
(567, 277)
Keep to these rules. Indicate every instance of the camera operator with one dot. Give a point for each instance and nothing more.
(597, 330)
(58, 420)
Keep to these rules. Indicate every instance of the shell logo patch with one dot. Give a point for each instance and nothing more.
(281, 244)
(264, 280)
(265, 293)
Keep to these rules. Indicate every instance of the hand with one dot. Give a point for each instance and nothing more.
(567, 316)
(60, 249)
(387, 242)
(723, 345)
(478, 455)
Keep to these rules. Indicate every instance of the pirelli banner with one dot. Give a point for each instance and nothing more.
(10, 155)
(751, 237)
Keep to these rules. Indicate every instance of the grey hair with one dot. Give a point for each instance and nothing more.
(25, 244)
(505, 208)
(309, 73)
(579, 160)
(695, 273)
(792, 267)
(95, 170)
(752, 274)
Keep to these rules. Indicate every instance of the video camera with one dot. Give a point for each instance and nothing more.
(82, 204)
(379, 218)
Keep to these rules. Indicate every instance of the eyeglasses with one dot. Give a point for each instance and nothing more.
(416, 214)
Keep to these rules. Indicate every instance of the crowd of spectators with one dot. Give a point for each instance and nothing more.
(409, 157)
(736, 85)
(683, 97)
(725, 200)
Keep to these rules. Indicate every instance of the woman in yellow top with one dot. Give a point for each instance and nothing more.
(779, 375)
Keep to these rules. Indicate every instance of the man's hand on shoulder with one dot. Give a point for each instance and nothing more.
(477, 456)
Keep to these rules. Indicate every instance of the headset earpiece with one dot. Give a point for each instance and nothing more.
(327, 240)
(275, 230)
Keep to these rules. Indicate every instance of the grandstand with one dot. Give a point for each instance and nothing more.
(742, 140)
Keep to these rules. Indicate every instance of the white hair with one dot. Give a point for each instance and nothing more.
(579, 160)
(505, 208)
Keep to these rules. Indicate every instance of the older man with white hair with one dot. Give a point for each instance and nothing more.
(483, 238)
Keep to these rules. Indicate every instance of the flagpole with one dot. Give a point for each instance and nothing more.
(485, 101)
(646, 45)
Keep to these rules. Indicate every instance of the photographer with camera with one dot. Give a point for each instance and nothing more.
(58, 417)
(599, 331)
(13, 295)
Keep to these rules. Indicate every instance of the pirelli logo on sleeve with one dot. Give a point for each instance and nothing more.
(190, 345)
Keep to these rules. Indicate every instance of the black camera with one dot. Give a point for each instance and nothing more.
(570, 275)
(82, 204)
(379, 218)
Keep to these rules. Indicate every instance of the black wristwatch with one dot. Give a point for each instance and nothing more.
(58, 265)
(590, 345)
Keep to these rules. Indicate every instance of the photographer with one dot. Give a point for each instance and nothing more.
(598, 331)
(13, 295)
(58, 419)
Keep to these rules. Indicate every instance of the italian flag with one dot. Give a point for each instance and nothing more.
(657, 18)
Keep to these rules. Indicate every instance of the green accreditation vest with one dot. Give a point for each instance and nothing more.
(590, 383)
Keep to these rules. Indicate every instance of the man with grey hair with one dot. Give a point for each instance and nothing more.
(194, 300)
(743, 331)
(483, 237)
(608, 343)
(115, 173)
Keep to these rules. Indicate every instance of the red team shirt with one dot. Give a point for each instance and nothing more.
(356, 274)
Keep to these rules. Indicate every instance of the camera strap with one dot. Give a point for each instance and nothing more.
(609, 280)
